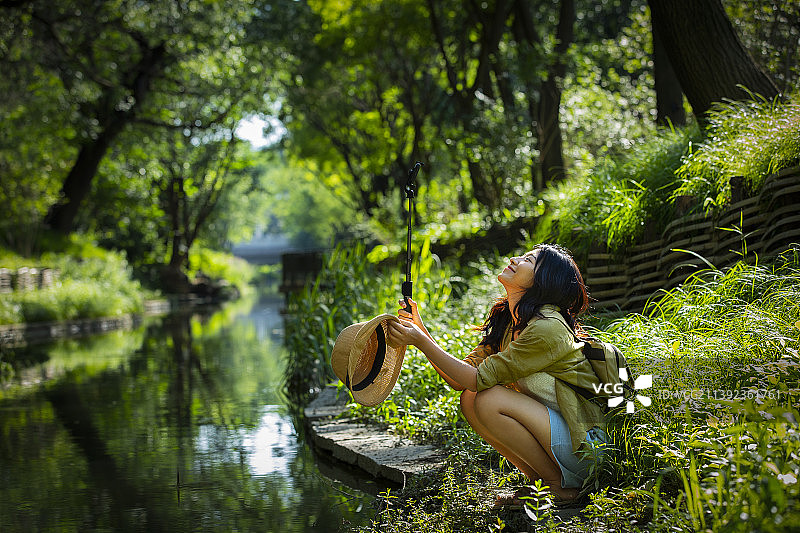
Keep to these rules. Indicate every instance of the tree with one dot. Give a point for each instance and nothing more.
(196, 171)
(181, 66)
(708, 57)
(468, 38)
(359, 110)
(548, 124)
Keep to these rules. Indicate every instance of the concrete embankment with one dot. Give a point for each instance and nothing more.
(39, 332)
(370, 448)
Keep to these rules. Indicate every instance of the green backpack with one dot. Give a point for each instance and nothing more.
(616, 379)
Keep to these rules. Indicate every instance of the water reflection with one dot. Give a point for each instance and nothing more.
(178, 426)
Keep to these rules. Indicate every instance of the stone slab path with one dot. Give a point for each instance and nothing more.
(368, 447)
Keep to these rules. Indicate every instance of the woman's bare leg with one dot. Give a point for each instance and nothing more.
(519, 425)
(468, 410)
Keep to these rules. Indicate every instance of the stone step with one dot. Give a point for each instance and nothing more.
(367, 446)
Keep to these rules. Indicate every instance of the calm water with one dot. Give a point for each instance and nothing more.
(176, 426)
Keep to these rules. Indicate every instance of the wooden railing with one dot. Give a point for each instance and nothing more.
(766, 224)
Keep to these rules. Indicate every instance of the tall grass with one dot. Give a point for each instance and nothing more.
(718, 448)
(751, 139)
(620, 199)
(625, 199)
(349, 289)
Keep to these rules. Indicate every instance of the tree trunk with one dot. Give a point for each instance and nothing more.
(669, 95)
(78, 183)
(707, 55)
(481, 188)
(172, 277)
(551, 158)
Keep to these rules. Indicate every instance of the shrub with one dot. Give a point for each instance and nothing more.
(221, 265)
(617, 201)
(751, 139)
(95, 284)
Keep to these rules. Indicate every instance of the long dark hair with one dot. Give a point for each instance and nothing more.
(556, 281)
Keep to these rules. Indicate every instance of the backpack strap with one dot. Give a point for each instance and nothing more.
(580, 390)
(589, 352)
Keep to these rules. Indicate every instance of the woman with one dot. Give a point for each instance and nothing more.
(518, 382)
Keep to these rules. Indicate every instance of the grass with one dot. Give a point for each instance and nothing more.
(620, 200)
(625, 200)
(718, 449)
(749, 139)
(92, 283)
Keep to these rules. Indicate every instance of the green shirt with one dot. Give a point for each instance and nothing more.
(545, 345)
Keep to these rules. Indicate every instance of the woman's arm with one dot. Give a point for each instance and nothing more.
(457, 373)
(414, 317)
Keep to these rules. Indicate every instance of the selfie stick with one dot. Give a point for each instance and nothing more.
(411, 193)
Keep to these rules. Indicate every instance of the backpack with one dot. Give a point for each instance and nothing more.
(611, 367)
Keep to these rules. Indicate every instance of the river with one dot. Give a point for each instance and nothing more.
(178, 425)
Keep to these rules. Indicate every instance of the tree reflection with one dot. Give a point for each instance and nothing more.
(165, 440)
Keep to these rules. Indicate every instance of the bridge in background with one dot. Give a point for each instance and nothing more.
(268, 249)
(299, 265)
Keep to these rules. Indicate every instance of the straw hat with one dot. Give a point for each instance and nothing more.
(365, 362)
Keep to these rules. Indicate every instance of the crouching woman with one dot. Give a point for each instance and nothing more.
(519, 384)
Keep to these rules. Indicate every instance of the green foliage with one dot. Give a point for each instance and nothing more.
(93, 283)
(37, 119)
(453, 98)
(749, 139)
(770, 31)
(114, 78)
(620, 199)
(609, 97)
(345, 290)
(308, 212)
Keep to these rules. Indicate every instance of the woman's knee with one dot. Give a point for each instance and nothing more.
(488, 402)
(467, 403)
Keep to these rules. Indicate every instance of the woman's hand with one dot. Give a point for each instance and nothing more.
(402, 332)
(413, 315)
(459, 374)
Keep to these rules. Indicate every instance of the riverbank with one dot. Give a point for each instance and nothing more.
(14, 335)
(350, 449)
(722, 353)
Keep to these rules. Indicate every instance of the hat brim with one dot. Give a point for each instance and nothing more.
(371, 366)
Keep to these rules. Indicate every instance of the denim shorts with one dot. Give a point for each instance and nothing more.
(574, 471)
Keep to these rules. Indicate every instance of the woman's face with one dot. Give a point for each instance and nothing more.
(519, 274)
